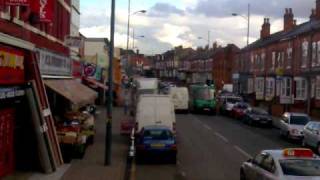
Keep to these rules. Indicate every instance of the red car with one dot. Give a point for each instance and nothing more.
(127, 124)
(238, 110)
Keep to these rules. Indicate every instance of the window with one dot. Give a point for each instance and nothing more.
(252, 63)
(317, 93)
(273, 63)
(304, 60)
(269, 88)
(286, 87)
(263, 57)
(314, 54)
(278, 64)
(289, 60)
(259, 86)
(292, 167)
(318, 53)
(301, 89)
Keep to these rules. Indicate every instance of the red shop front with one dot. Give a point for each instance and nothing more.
(25, 145)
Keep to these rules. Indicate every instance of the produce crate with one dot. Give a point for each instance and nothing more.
(6, 142)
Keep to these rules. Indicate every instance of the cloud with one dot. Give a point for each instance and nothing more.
(270, 8)
(164, 10)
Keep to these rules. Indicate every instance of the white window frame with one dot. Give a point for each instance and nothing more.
(270, 88)
(286, 86)
(301, 88)
(273, 62)
(304, 59)
(314, 54)
(289, 58)
(317, 93)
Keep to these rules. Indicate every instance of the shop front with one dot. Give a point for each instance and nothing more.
(69, 101)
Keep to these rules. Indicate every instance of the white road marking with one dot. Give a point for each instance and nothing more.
(221, 137)
(243, 152)
(207, 127)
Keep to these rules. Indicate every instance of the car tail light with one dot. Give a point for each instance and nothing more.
(174, 146)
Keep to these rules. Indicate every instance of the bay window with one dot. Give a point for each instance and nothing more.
(286, 85)
(301, 88)
(270, 88)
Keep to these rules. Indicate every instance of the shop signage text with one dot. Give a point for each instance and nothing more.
(11, 66)
(54, 64)
(17, 2)
(6, 93)
(44, 9)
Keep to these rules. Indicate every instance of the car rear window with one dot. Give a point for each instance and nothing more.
(299, 120)
(157, 134)
(297, 167)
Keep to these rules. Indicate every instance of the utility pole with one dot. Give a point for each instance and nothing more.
(128, 35)
(248, 30)
(108, 138)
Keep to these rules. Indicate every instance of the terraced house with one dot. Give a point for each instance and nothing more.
(281, 71)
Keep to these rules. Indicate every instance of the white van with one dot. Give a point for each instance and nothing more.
(155, 110)
(180, 98)
(147, 86)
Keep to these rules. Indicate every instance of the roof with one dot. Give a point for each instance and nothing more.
(282, 35)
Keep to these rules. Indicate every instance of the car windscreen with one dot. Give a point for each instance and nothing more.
(299, 120)
(157, 134)
(233, 100)
(298, 167)
(204, 94)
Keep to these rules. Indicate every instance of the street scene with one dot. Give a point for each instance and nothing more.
(159, 90)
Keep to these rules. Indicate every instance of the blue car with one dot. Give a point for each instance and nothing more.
(156, 142)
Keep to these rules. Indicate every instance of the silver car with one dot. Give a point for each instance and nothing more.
(292, 124)
(312, 135)
(288, 164)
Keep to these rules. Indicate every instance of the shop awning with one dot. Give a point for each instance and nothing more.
(96, 83)
(77, 93)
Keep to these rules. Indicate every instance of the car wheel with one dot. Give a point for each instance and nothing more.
(318, 148)
(242, 175)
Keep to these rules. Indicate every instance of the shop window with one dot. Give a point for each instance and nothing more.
(304, 59)
(314, 54)
(301, 89)
(289, 59)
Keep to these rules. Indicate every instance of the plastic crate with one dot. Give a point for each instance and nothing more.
(6, 141)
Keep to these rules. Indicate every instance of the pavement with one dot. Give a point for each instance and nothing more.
(92, 165)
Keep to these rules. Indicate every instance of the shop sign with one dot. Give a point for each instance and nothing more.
(17, 2)
(6, 93)
(92, 71)
(54, 64)
(11, 66)
(44, 9)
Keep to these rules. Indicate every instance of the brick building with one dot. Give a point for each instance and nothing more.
(280, 71)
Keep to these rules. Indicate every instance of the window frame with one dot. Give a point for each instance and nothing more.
(289, 57)
(305, 53)
(301, 89)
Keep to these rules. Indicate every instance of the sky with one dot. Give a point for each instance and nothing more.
(170, 23)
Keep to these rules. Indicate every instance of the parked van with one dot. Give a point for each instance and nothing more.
(155, 110)
(147, 86)
(180, 98)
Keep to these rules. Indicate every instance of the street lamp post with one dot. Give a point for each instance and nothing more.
(128, 29)
(206, 39)
(134, 37)
(247, 18)
(108, 138)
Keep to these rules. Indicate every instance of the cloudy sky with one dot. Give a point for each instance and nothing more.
(170, 23)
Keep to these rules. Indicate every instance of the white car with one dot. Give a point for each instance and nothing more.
(292, 124)
(288, 164)
(312, 135)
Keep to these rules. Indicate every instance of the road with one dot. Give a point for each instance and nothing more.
(212, 147)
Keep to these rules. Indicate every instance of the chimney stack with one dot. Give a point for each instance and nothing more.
(317, 9)
(288, 23)
(265, 31)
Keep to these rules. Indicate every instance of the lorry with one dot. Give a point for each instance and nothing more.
(155, 110)
(180, 98)
(202, 98)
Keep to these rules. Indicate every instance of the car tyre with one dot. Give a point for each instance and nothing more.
(318, 148)
(242, 175)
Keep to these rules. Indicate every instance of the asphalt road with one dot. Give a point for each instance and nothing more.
(212, 148)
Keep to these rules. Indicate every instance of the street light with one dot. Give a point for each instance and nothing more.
(128, 28)
(247, 18)
(206, 39)
(134, 37)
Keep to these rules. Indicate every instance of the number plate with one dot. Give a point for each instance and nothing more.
(157, 145)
